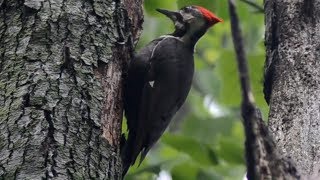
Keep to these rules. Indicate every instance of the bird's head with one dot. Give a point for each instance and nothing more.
(191, 19)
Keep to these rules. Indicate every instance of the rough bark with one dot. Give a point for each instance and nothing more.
(292, 83)
(61, 64)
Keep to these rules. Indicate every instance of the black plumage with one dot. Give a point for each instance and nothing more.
(158, 81)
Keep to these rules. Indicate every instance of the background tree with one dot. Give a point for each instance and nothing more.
(293, 80)
(61, 64)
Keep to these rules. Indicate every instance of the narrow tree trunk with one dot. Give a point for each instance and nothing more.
(293, 79)
(61, 64)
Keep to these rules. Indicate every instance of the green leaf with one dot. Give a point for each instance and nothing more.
(186, 171)
(207, 130)
(197, 151)
(228, 74)
(198, 109)
(206, 175)
(231, 150)
(208, 81)
(231, 171)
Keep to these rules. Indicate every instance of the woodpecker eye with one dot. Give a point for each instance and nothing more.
(187, 9)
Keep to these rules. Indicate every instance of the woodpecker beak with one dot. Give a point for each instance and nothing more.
(173, 15)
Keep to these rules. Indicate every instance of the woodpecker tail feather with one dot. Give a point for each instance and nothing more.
(130, 152)
(143, 154)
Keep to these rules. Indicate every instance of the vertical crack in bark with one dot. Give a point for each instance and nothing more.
(272, 57)
(122, 21)
(88, 153)
(111, 79)
(70, 164)
(2, 33)
(10, 142)
(51, 146)
(66, 125)
(68, 64)
(308, 9)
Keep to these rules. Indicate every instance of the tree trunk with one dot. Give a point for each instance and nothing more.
(61, 64)
(292, 82)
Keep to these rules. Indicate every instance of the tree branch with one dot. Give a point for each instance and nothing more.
(263, 162)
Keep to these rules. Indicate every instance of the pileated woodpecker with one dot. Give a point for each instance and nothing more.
(159, 79)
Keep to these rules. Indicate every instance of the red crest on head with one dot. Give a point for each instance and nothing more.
(208, 15)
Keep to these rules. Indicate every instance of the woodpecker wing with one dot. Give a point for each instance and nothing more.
(136, 77)
(165, 85)
(133, 88)
(172, 69)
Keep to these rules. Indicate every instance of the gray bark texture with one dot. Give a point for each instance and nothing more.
(61, 64)
(292, 80)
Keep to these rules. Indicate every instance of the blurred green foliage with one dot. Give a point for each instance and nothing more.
(205, 140)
